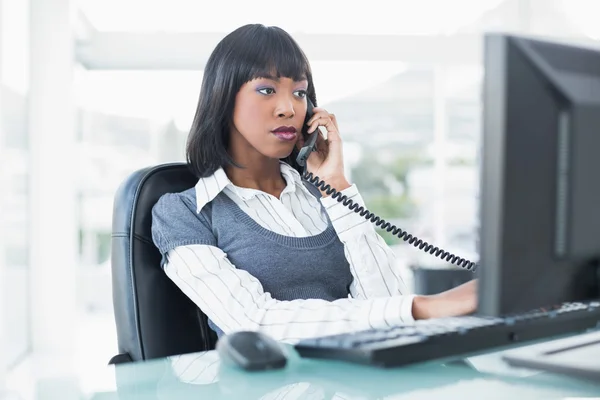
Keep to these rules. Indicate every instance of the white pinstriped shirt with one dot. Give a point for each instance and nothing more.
(378, 296)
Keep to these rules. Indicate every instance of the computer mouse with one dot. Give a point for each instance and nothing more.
(251, 351)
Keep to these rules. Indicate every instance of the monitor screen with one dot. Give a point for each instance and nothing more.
(540, 175)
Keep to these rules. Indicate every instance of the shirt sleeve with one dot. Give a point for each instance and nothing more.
(235, 300)
(372, 261)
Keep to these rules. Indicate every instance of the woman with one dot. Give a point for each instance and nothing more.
(255, 246)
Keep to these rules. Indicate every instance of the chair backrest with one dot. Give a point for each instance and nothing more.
(153, 317)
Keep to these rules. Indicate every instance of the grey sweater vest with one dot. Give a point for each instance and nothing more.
(289, 268)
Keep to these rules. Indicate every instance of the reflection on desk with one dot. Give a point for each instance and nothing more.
(202, 376)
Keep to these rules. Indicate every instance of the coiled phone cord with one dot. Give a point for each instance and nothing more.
(383, 224)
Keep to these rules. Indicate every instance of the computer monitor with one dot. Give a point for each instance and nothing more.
(540, 175)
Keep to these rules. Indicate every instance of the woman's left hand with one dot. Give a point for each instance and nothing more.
(461, 300)
(327, 162)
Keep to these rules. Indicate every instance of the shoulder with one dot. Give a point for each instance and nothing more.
(170, 203)
(175, 207)
(175, 221)
(167, 199)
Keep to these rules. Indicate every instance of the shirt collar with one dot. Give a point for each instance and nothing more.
(209, 187)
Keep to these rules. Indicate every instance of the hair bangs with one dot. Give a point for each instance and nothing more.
(274, 54)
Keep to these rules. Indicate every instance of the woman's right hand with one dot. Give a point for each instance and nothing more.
(327, 162)
(461, 300)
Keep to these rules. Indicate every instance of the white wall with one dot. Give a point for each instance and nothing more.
(2, 321)
(53, 217)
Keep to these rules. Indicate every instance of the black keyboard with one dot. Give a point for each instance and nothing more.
(444, 338)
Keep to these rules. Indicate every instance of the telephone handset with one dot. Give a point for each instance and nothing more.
(310, 146)
(309, 141)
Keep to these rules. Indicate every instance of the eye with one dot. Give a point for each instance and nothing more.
(266, 91)
(300, 93)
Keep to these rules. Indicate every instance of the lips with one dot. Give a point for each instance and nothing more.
(286, 133)
(284, 129)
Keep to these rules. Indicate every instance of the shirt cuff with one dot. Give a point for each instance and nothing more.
(341, 216)
(391, 311)
(399, 310)
(406, 308)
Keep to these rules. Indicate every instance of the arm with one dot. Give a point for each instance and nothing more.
(372, 261)
(374, 271)
(235, 300)
(360, 238)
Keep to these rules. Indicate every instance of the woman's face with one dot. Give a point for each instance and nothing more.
(268, 115)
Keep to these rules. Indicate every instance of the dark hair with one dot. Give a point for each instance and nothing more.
(250, 52)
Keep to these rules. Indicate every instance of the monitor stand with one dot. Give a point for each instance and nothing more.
(577, 356)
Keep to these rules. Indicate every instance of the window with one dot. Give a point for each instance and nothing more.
(14, 173)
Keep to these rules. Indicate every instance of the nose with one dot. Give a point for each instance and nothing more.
(285, 108)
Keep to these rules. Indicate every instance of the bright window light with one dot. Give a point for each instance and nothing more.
(424, 17)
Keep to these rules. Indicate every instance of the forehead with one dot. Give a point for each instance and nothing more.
(278, 78)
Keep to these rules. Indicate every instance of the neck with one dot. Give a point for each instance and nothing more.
(259, 172)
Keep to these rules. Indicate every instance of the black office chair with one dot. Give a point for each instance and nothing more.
(153, 317)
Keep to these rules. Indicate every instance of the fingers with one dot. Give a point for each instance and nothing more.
(319, 114)
(334, 120)
(321, 122)
(326, 122)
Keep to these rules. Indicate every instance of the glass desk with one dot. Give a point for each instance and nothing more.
(202, 376)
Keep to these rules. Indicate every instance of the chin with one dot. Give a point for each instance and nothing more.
(280, 153)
